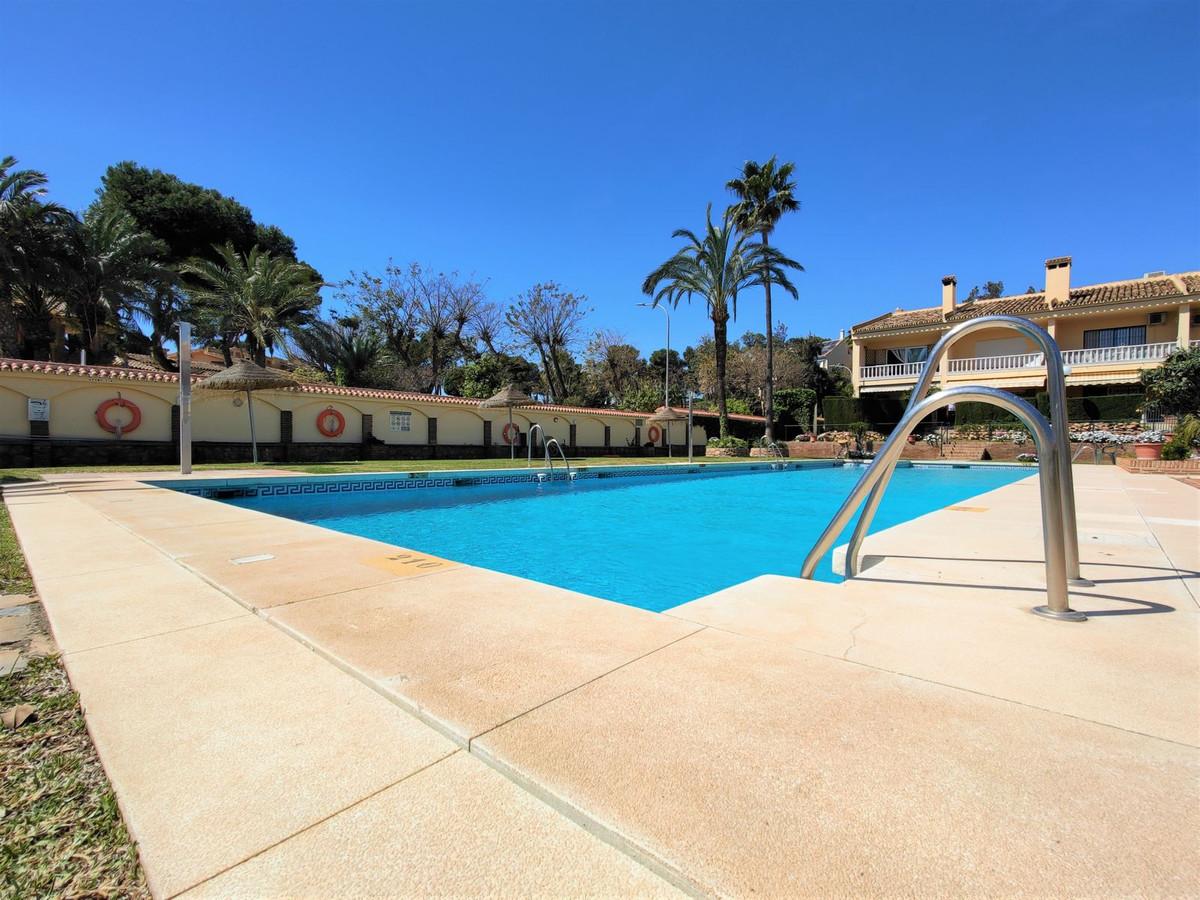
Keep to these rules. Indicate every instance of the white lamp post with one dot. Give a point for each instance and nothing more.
(185, 398)
(666, 369)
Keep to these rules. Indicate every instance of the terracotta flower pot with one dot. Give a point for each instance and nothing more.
(1148, 451)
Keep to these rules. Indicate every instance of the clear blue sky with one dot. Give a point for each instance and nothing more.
(564, 141)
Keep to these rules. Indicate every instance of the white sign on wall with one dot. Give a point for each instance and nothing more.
(39, 410)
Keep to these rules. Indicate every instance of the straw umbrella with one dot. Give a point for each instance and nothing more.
(665, 415)
(508, 396)
(247, 376)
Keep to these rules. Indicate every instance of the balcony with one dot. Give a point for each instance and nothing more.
(1139, 354)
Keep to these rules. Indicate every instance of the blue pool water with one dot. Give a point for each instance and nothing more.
(649, 541)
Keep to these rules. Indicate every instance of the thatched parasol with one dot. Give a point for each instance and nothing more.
(508, 396)
(247, 376)
(665, 415)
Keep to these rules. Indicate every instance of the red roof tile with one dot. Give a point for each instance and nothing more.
(1114, 292)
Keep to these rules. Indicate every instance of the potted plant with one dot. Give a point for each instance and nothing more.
(1148, 445)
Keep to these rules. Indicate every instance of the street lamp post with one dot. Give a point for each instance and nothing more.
(666, 369)
(185, 398)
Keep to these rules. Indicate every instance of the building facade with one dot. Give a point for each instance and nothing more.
(1107, 333)
(64, 414)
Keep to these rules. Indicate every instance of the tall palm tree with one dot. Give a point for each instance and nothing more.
(112, 264)
(717, 266)
(256, 296)
(765, 193)
(31, 241)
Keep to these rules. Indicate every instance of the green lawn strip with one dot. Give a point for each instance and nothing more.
(61, 833)
(14, 577)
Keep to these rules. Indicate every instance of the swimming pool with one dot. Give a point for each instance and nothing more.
(642, 537)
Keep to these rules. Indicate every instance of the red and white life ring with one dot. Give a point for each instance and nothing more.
(330, 422)
(511, 432)
(122, 403)
(653, 434)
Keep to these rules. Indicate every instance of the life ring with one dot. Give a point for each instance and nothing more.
(654, 434)
(121, 402)
(323, 419)
(511, 432)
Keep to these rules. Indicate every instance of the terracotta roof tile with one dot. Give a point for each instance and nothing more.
(157, 376)
(1132, 291)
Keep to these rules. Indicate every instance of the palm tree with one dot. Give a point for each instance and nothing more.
(764, 194)
(255, 296)
(31, 245)
(345, 351)
(112, 265)
(718, 266)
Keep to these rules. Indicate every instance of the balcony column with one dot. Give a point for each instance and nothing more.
(1185, 325)
(1050, 323)
(944, 371)
(856, 366)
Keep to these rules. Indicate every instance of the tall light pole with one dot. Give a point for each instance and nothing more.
(666, 368)
(185, 398)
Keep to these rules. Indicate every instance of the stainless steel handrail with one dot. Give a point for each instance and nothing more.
(529, 444)
(562, 453)
(880, 470)
(1055, 386)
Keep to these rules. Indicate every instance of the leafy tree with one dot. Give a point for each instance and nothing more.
(192, 222)
(1175, 385)
(764, 194)
(989, 290)
(254, 296)
(795, 405)
(430, 321)
(717, 267)
(546, 319)
(483, 377)
(613, 365)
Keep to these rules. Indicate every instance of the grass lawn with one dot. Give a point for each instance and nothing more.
(61, 834)
(14, 577)
(380, 465)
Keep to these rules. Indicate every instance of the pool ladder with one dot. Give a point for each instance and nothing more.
(546, 443)
(1059, 533)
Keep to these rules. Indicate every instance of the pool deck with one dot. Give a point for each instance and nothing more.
(287, 711)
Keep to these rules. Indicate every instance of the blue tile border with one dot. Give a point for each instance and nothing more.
(226, 488)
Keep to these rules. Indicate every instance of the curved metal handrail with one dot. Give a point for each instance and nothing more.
(879, 471)
(529, 444)
(1055, 386)
(562, 453)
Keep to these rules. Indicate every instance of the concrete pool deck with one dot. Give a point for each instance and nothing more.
(284, 710)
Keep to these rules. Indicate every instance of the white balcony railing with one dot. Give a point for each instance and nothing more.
(893, 370)
(1132, 353)
(997, 363)
(1136, 353)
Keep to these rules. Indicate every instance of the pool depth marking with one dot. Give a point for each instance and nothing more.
(405, 562)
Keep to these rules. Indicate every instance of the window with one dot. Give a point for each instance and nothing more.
(401, 421)
(1158, 318)
(908, 354)
(1114, 337)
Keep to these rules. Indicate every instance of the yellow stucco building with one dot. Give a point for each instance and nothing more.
(55, 413)
(1107, 334)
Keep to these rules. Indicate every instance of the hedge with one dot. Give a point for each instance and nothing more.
(1112, 408)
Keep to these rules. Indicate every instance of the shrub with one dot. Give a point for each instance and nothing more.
(1175, 385)
(1186, 437)
(730, 443)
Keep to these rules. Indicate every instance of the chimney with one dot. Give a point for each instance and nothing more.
(949, 295)
(1058, 280)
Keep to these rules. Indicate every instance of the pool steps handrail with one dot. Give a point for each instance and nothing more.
(879, 472)
(1055, 386)
(550, 459)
